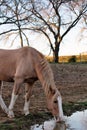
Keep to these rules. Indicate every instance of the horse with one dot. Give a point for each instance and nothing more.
(27, 65)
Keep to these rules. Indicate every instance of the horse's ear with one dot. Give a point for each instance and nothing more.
(52, 90)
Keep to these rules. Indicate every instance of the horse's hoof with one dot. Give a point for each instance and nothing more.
(26, 113)
(11, 114)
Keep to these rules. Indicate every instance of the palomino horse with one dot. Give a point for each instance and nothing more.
(26, 65)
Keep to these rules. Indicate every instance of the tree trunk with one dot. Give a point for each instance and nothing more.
(56, 53)
(21, 39)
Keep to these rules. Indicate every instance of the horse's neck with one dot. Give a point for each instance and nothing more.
(45, 74)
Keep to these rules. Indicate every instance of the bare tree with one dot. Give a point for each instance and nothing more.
(13, 14)
(55, 18)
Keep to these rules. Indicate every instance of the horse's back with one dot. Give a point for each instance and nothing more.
(20, 51)
(18, 61)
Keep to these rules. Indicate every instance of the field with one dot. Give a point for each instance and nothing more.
(70, 79)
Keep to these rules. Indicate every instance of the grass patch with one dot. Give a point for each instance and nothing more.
(72, 107)
(24, 122)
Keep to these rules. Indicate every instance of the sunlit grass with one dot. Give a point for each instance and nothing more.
(74, 58)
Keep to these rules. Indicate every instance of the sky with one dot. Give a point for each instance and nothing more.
(71, 44)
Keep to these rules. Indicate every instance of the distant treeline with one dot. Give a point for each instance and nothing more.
(73, 58)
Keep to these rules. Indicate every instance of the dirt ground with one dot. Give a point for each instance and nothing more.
(70, 79)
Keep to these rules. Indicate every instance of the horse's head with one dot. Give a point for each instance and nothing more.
(54, 103)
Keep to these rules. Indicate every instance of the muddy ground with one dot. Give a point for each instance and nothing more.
(70, 79)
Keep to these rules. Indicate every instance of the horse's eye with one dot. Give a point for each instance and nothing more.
(55, 101)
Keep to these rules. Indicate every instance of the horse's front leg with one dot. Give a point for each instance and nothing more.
(16, 88)
(2, 103)
(28, 90)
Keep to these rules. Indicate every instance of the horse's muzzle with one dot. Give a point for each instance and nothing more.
(59, 119)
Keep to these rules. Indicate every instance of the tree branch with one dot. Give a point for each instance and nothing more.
(74, 22)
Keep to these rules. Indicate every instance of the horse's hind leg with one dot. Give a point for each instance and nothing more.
(28, 89)
(2, 103)
(16, 88)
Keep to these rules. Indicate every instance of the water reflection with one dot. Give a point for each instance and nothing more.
(77, 121)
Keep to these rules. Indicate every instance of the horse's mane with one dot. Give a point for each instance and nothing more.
(47, 74)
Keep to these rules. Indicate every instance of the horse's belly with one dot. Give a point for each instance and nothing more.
(31, 80)
(6, 78)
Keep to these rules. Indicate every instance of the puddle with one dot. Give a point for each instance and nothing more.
(77, 121)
